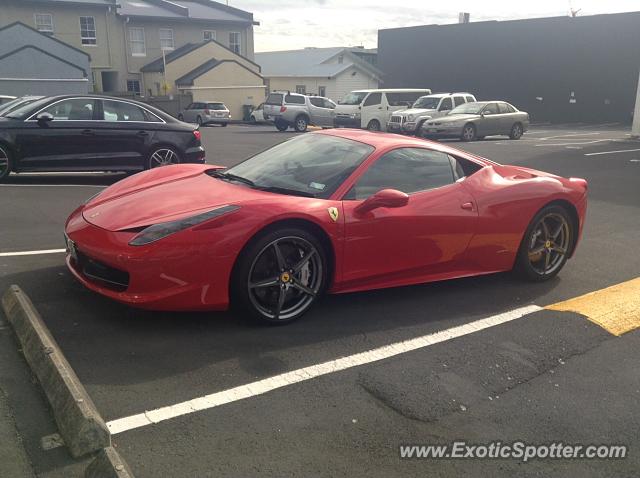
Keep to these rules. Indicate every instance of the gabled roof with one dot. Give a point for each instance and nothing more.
(311, 62)
(48, 37)
(206, 10)
(157, 65)
(187, 80)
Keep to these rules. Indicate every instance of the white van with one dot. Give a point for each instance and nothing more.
(371, 109)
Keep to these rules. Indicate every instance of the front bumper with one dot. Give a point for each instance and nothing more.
(178, 275)
(441, 131)
(408, 127)
(346, 122)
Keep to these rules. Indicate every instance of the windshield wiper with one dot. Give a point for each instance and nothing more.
(234, 177)
(293, 192)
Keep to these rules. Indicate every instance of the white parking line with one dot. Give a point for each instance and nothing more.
(307, 373)
(613, 152)
(32, 253)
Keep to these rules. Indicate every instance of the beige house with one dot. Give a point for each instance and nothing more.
(122, 36)
(330, 72)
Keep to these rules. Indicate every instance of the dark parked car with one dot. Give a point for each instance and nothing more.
(92, 133)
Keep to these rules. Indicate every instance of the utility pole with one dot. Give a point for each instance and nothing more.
(635, 129)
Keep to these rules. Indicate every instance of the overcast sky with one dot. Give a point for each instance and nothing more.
(294, 24)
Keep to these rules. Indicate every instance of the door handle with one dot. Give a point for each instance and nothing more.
(143, 133)
(467, 205)
(87, 132)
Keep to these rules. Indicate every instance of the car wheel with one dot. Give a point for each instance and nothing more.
(468, 132)
(546, 245)
(279, 276)
(282, 126)
(301, 123)
(199, 120)
(224, 125)
(252, 120)
(163, 156)
(374, 125)
(516, 131)
(5, 162)
(418, 131)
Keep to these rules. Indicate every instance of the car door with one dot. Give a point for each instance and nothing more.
(427, 236)
(372, 109)
(123, 132)
(320, 114)
(490, 123)
(507, 118)
(63, 143)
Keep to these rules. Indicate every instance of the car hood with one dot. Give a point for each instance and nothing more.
(416, 111)
(456, 118)
(162, 195)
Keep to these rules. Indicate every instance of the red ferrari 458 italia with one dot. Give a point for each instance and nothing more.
(336, 211)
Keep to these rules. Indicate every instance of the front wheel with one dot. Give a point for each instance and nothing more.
(468, 132)
(5, 163)
(279, 276)
(224, 125)
(374, 125)
(163, 156)
(546, 245)
(516, 131)
(199, 120)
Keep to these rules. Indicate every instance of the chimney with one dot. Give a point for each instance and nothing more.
(464, 17)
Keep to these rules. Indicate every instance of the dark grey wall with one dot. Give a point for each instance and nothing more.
(596, 57)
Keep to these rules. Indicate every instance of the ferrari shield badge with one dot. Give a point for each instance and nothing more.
(333, 213)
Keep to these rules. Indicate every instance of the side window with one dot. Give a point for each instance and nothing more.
(490, 109)
(329, 104)
(319, 102)
(506, 108)
(458, 100)
(406, 169)
(470, 99)
(190, 107)
(446, 104)
(121, 111)
(79, 109)
(373, 99)
(294, 99)
(463, 167)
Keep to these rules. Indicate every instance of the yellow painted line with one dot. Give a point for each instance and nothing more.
(616, 308)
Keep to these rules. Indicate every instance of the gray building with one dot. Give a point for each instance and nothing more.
(38, 64)
(558, 69)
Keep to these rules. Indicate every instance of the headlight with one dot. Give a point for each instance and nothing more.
(164, 229)
(355, 115)
(410, 118)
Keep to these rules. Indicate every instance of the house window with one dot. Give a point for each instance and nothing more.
(208, 35)
(133, 86)
(234, 42)
(166, 39)
(322, 91)
(44, 22)
(136, 41)
(301, 89)
(88, 31)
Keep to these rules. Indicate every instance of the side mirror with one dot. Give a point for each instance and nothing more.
(44, 118)
(383, 198)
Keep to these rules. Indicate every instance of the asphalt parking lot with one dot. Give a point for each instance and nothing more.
(548, 376)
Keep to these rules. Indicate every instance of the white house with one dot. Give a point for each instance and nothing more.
(330, 72)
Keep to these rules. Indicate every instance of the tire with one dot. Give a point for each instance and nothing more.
(181, 117)
(199, 120)
(546, 245)
(6, 162)
(252, 120)
(281, 126)
(468, 132)
(418, 132)
(374, 125)
(516, 131)
(162, 156)
(224, 125)
(277, 290)
(301, 123)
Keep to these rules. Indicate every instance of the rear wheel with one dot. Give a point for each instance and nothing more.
(374, 125)
(301, 123)
(279, 276)
(546, 244)
(199, 120)
(224, 125)
(516, 131)
(5, 162)
(163, 156)
(282, 125)
(468, 132)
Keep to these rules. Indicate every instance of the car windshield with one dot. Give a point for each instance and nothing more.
(467, 109)
(216, 106)
(25, 110)
(354, 98)
(313, 165)
(427, 103)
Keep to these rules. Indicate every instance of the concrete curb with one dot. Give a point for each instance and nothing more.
(81, 426)
(108, 464)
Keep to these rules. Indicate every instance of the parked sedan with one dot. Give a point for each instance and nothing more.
(476, 120)
(206, 112)
(86, 133)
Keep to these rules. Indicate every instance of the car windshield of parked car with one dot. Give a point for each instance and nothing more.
(426, 103)
(312, 165)
(354, 98)
(216, 106)
(27, 109)
(467, 109)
